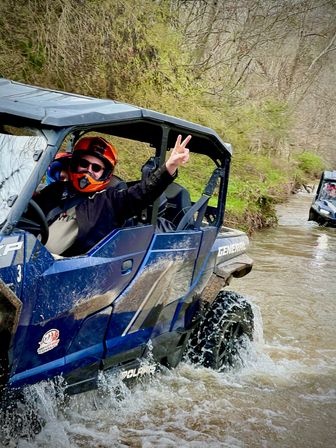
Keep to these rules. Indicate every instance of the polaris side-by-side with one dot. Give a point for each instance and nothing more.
(155, 286)
(323, 208)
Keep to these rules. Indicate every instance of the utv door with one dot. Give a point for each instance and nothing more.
(148, 308)
(67, 305)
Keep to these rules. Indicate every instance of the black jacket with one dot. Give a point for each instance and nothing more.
(99, 213)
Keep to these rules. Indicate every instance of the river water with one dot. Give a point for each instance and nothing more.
(284, 396)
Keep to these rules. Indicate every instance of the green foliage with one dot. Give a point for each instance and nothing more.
(266, 125)
(308, 166)
(276, 116)
(256, 185)
(310, 163)
(34, 54)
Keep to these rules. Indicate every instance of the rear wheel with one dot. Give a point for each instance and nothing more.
(223, 333)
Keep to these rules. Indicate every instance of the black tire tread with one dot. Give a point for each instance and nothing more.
(229, 311)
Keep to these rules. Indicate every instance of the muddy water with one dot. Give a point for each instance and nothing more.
(285, 396)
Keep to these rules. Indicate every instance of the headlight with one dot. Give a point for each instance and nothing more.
(324, 212)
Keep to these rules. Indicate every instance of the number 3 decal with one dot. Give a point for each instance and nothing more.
(19, 273)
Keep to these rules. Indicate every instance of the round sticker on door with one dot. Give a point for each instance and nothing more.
(49, 341)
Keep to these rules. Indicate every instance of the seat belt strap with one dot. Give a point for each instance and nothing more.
(66, 205)
(201, 205)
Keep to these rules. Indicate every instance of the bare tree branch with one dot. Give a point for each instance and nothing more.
(328, 48)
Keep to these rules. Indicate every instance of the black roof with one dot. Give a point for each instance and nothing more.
(52, 108)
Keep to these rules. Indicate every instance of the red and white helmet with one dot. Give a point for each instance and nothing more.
(97, 147)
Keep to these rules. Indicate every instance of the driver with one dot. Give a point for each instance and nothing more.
(330, 192)
(84, 209)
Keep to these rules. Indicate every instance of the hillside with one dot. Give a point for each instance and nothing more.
(261, 74)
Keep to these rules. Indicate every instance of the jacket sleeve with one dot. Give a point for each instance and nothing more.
(108, 209)
(113, 206)
(131, 201)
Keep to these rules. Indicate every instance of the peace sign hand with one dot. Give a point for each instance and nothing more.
(179, 155)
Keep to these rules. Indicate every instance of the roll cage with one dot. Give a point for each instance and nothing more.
(60, 116)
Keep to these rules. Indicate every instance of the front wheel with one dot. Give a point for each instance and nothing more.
(223, 332)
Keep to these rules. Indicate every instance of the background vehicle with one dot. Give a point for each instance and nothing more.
(154, 285)
(323, 208)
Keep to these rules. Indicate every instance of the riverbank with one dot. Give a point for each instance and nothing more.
(258, 184)
(265, 216)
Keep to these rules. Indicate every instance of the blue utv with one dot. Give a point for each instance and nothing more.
(154, 286)
(323, 208)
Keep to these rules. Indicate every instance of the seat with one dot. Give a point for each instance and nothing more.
(178, 202)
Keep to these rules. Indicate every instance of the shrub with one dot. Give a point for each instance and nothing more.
(310, 164)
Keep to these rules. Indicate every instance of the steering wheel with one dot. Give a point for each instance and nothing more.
(34, 221)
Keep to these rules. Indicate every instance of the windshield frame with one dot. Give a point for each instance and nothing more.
(54, 139)
(19, 155)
